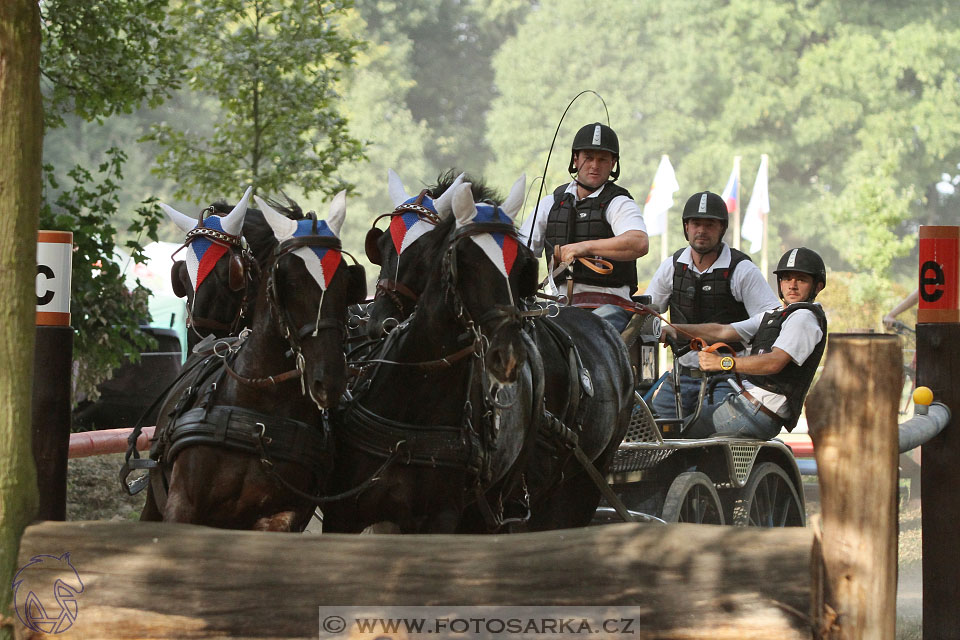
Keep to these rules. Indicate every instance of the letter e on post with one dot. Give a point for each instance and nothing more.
(939, 278)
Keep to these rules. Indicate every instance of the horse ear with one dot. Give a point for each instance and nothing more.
(177, 273)
(185, 222)
(511, 206)
(232, 223)
(398, 194)
(338, 211)
(357, 288)
(283, 227)
(463, 206)
(443, 203)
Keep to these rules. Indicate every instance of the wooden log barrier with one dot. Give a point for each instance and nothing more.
(153, 580)
(852, 419)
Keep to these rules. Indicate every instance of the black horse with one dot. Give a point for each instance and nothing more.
(215, 254)
(588, 390)
(242, 442)
(445, 413)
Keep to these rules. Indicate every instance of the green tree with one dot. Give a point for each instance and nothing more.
(21, 140)
(100, 60)
(272, 66)
(446, 48)
(856, 105)
(375, 90)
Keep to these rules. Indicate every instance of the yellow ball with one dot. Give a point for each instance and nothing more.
(922, 395)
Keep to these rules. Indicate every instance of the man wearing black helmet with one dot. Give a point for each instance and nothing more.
(593, 217)
(707, 281)
(786, 346)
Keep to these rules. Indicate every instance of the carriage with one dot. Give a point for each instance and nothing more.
(659, 475)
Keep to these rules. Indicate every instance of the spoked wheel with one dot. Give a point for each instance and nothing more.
(769, 499)
(692, 498)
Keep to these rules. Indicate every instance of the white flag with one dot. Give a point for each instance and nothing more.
(660, 198)
(757, 210)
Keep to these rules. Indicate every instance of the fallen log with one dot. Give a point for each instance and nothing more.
(154, 580)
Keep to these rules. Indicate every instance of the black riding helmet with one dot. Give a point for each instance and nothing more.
(802, 260)
(705, 204)
(600, 137)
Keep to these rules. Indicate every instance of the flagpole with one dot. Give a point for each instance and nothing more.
(736, 209)
(764, 263)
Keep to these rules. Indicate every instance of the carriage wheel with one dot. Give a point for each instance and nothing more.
(692, 498)
(769, 499)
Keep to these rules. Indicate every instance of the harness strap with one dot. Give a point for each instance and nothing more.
(248, 431)
(434, 446)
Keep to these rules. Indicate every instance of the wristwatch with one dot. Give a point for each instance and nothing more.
(726, 363)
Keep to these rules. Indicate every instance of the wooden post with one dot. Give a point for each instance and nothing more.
(938, 315)
(938, 367)
(852, 417)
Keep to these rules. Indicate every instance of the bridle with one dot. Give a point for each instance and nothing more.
(396, 290)
(243, 271)
(295, 336)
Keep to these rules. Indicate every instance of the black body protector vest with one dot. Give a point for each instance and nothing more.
(705, 297)
(792, 381)
(570, 222)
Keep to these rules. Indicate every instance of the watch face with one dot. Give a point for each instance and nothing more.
(726, 363)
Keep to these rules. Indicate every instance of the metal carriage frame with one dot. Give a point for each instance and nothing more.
(739, 481)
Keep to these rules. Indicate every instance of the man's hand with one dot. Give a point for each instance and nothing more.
(888, 321)
(572, 251)
(709, 361)
(667, 332)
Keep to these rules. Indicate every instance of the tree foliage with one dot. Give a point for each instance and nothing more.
(855, 103)
(100, 59)
(104, 313)
(107, 57)
(272, 67)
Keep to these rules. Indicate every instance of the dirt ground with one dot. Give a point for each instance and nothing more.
(94, 493)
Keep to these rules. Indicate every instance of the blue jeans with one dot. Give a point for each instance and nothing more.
(615, 315)
(735, 416)
(665, 406)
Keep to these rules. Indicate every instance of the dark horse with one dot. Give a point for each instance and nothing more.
(588, 387)
(444, 414)
(214, 253)
(243, 441)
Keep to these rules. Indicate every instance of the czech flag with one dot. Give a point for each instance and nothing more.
(731, 192)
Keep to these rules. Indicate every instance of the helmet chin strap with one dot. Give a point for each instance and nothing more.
(586, 186)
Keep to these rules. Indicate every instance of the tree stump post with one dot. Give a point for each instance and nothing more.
(852, 417)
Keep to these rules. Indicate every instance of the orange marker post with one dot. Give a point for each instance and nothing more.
(939, 278)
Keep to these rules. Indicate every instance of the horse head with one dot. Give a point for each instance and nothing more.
(216, 275)
(308, 288)
(401, 281)
(487, 273)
